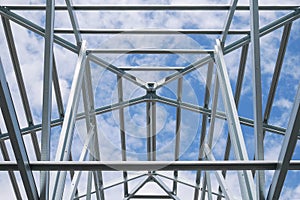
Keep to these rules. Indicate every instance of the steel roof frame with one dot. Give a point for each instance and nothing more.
(82, 85)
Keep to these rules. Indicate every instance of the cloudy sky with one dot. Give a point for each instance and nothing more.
(30, 49)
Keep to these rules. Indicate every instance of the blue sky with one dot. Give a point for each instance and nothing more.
(30, 49)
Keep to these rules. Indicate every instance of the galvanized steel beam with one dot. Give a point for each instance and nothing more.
(287, 150)
(12, 125)
(47, 97)
(235, 131)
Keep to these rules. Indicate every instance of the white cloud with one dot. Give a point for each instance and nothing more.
(283, 103)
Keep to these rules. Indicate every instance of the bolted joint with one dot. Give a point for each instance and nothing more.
(151, 86)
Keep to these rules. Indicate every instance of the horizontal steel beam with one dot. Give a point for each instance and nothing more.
(150, 197)
(150, 68)
(148, 165)
(151, 31)
(150, 51)
(151, 7)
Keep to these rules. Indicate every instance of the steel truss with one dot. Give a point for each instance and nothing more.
(250, 173)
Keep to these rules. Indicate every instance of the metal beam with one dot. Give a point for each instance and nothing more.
(77, 174)
(149, 68)
(199, 109)
(12, 126)
(137, 188)
(64, 146)
(74, 22)
(164, 187)
(277, 69)
(177, 132)
(220, 115)
(117, 71)
(206, 179)
(122, 131)
(237, 94)
(228, 21)
(287, 150)
(231, 165)
(11, 174)
(219, 176)
(47, 97)
(235, 131)
(57, 90)
(196, 7)
(151, 197)
(91, 133)
(184, 71)
(91, 122)
(264, 30)
(98, 111)
(178, 181)
(5, 12)
(20, 81)
(153, 31)
(112, 185)
(257, 96)
(148, 121)
(122, 182)
(150, 51)
(89, 186)
(153, 130)
(204, 124)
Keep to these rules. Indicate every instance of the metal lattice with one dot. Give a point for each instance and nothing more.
(149, 113)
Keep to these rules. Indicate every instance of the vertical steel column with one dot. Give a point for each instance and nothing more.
(153, 129)
(122, 131)
(89, 185)
(210, 137)
(148, 121)
(204, 124)
(87, 84)
(91, 127)
(47, 97)
(257, 96)
(203, 188)
(235, 131)
(208, 184)
(64, 146)
(12, 125)
(287, 150)
(178, 126)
